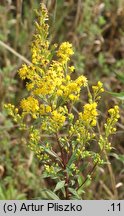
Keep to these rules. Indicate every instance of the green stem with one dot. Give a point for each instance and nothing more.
(90, 173)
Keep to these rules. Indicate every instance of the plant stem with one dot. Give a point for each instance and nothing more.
(59, 144)
(90, 173)
(112, 177)
(66, 187)
(64, 167)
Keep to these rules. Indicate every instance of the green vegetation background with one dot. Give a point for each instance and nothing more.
(96, 30)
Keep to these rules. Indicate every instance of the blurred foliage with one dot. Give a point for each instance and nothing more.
(96, 30)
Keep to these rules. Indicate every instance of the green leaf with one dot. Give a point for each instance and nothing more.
(101, 21)
(48, 194)
(120, 77)
(59, 185)
(118, 157)
(80, 191)
(74, 192)
(118, 95)
(72, 182)
(80, 180)
(101, 59)
(2, 195)
(53, 154)
(72, 159)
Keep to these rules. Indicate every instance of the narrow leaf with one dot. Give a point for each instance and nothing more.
(59, 185)
(72, 159)
(50, 194)
(120, 77)
(53, 154)
(74, 192)
(118, 95)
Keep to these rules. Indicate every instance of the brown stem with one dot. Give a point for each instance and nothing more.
(64, 161)
(112, 177)
(66, 187)
(65, 157)
(59, 144)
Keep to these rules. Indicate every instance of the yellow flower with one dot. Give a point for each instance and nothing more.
(30, 105)
(40, 46)
(111, 121)
(23, 71)
(44, 109)
(72, 97)
(65, 51)
(68, 77)
(59, 92)
(81, 81)
(98, 88)
(30, 86)
(89, 114)
(58, 117)
(71, 69)
(58, 130)
(114, 111)
(57, 120)
(49, 169)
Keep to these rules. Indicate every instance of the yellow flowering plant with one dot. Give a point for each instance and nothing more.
(60, 135)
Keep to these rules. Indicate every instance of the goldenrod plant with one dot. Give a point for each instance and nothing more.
(61, 137)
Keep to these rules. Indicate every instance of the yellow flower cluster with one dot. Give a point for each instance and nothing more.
(71, 89)
(114, 112)
(13, 111)
(52, 94)
(57, 119)
(97, 90)
(64, 52)
(111, 121)
(49, 78)
(40, 46)
(50, 81)
(24, 71)
(30, 73)
(109, 128)
(44, 109)
(53, 119)
(89, 114)
(49, 169)
(30, 105)
(34, 136)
